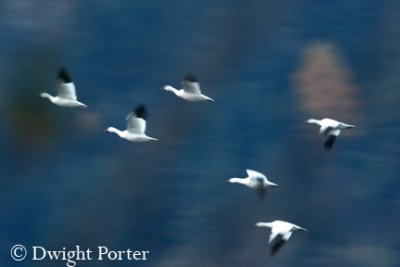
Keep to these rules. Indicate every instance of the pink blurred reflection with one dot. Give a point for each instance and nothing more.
(323, 84)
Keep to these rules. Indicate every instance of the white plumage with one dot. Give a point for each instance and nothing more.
(255, 180)
(135, 126)
(66, 92)
(190, 90)
(281, 231)
(330, 129)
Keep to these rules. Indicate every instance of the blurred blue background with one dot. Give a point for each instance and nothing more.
(270, 65)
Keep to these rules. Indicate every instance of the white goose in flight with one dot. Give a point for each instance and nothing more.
(66, 92)
(255, 180)
(280, 233)
(330, 129)
(190, 90)
(136, 126)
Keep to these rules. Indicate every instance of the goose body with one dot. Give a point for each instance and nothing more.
(330, 129)
(136, 126)
(255, 180)
(66, 92)
(281, 231)
(190, 90)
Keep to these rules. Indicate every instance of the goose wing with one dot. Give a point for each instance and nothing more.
(329, 142)
(66, 88)
(261, 193)
(278, 243)
(190, 84)
(136, 120)
(330, 138)
(254, 174)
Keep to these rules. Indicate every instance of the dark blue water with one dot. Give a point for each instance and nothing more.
(270, 65)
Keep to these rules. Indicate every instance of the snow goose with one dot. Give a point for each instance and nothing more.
(190, 91)
(136, 126)
(255, 180)
(330, 129)
(280, 233)
(66, 92)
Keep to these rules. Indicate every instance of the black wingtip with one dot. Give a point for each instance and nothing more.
(329, 142)
(63, 75)
(261, 193)
(276, 247)
(190, 78)
(141, 112)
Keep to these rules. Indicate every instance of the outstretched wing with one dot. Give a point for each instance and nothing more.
(329, 142)
(66, 88)
(330, 138)
(261, 193)
(253, 173)
(136, 120)
(277, 244)
(190, 84)
(326, 131)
